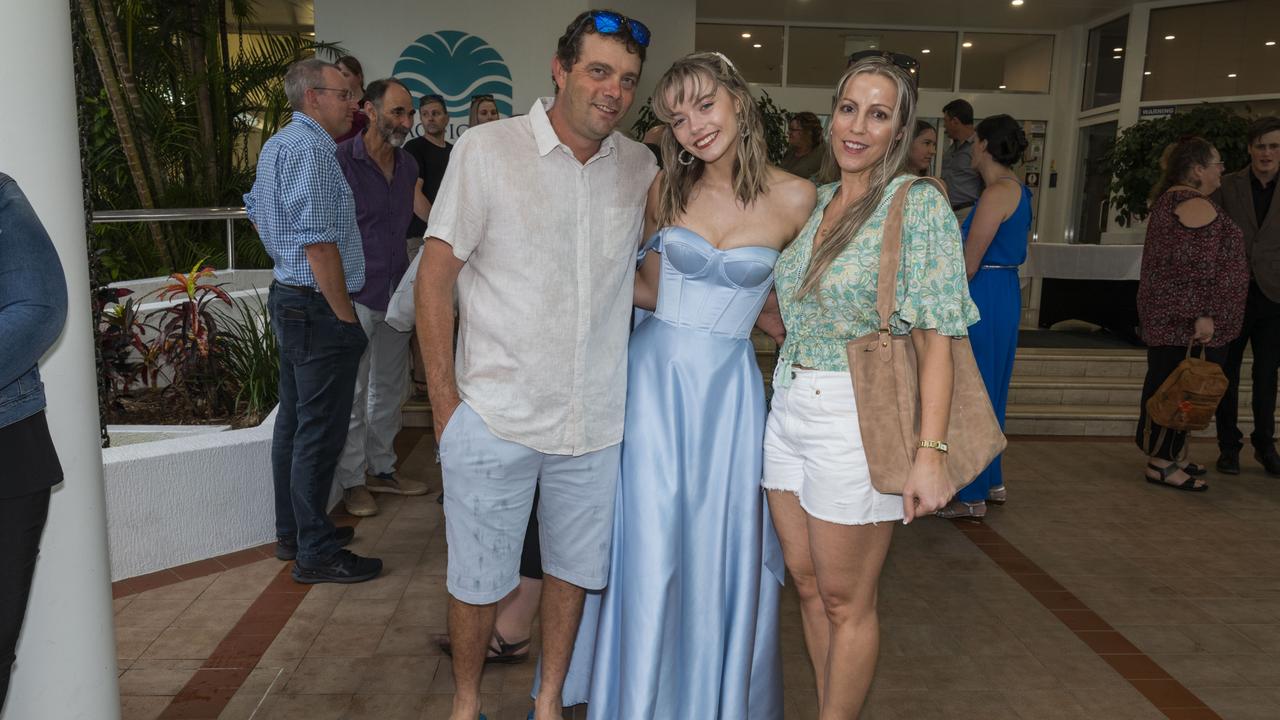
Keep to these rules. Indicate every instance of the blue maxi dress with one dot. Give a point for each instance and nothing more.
(994, 338)
(688, 625)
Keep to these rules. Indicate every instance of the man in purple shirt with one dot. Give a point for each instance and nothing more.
(384, 180)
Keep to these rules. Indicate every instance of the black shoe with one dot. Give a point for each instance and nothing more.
(1228, 462)
(343, 567)
(287, 548)
(1270, 460)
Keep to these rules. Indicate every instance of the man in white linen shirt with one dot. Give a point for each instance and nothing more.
(537, 223)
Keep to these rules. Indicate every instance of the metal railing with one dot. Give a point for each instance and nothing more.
(227, 214)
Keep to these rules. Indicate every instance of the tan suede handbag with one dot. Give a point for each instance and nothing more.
(887, 388)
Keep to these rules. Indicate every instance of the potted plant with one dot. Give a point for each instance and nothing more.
(1133, 162)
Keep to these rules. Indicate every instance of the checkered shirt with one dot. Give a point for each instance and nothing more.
(300, 198)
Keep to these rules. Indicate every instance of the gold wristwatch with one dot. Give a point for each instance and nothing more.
(938, 445)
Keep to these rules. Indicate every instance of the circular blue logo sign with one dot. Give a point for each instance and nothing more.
(456, 66)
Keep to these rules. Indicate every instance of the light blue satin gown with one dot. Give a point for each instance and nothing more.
(688, 626)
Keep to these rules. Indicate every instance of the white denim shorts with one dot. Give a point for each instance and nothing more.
(813, 448)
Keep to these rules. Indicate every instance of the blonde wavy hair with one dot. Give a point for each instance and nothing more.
(893, 165)
(701, 74)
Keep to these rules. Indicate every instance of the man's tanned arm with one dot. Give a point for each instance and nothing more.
(433, 301)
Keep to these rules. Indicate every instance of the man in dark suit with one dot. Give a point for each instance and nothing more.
(1248, 197)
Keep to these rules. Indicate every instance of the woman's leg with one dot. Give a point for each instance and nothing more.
(1160, 444)
(792, 525)
(517, 610)
(22, 521)
(847, 560)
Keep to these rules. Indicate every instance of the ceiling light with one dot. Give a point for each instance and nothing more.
(926, 51)
(1015, 3)
(1146, 72)
(966, 44)
(1116, 57)
(746, 35)
(757, 45)
(1168, 37)
(1231, 75)
(1002, 87)
(1270, 43)
(1117, 49)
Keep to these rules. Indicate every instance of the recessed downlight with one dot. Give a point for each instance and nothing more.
(1116, 57)
(1117, 49)
(1016, 3)
(1169, 37)
(757, 45)
(746, 36)
(1270, 43)
(966, 44)
(1002, 87)
(1146, 72)
(925, 51)
(1231, 75)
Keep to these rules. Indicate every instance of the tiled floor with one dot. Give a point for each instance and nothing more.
(1091, 595)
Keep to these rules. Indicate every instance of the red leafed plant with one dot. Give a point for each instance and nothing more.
(188, 340)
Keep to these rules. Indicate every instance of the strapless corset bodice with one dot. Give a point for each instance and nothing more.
(703, 288)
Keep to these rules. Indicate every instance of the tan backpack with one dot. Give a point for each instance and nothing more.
(1188, 398)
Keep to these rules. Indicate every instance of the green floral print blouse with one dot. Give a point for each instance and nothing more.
(933, 292)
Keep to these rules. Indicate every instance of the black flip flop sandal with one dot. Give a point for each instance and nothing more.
(1188, 485)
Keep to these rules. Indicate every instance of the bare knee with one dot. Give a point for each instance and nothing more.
(845, 606)
(806, 585)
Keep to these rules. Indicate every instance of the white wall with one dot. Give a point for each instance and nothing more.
(524, 33)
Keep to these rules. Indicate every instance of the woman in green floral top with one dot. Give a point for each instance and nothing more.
(834, 527)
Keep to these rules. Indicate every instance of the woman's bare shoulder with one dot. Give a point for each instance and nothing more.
(1196, 212)
(791, 193)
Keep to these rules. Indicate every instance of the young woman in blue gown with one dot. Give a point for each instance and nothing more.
(995, 244)
(688, 626)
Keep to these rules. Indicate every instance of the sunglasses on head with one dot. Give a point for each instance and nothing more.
(906, 62)
(611, 23)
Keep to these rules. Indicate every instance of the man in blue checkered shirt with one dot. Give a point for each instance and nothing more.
(304, 212)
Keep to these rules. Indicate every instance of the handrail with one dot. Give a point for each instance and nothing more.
(227, 214)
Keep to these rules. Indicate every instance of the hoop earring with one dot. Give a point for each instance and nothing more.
(680, 157)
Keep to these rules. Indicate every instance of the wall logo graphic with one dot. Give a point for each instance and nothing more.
(456, 66)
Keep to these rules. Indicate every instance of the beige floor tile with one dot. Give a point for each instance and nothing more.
(184, 643)
(142, 707)
(386, 707)
(326, 676)
(346, 640)
(398, 674)
(304, 707)
(157, 677)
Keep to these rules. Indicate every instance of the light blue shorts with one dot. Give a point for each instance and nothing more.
(488, 496)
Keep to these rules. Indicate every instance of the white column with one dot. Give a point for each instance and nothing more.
(66, 667)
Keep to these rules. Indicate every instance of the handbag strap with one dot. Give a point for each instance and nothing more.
(891, 250)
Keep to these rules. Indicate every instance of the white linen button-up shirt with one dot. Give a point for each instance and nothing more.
(545, 297)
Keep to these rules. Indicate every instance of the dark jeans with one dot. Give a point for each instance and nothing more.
(319, 355)
(1157, 441)
(21, 523)
(1262, 329)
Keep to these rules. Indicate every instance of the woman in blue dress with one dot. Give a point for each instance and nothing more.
(688, 626)
(995, 244)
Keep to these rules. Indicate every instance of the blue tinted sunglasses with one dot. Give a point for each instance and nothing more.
(611, 23)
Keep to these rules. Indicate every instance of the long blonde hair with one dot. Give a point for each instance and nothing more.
(893, 165)
(704, 72)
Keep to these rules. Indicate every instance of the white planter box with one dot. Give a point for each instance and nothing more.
(187, 498)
